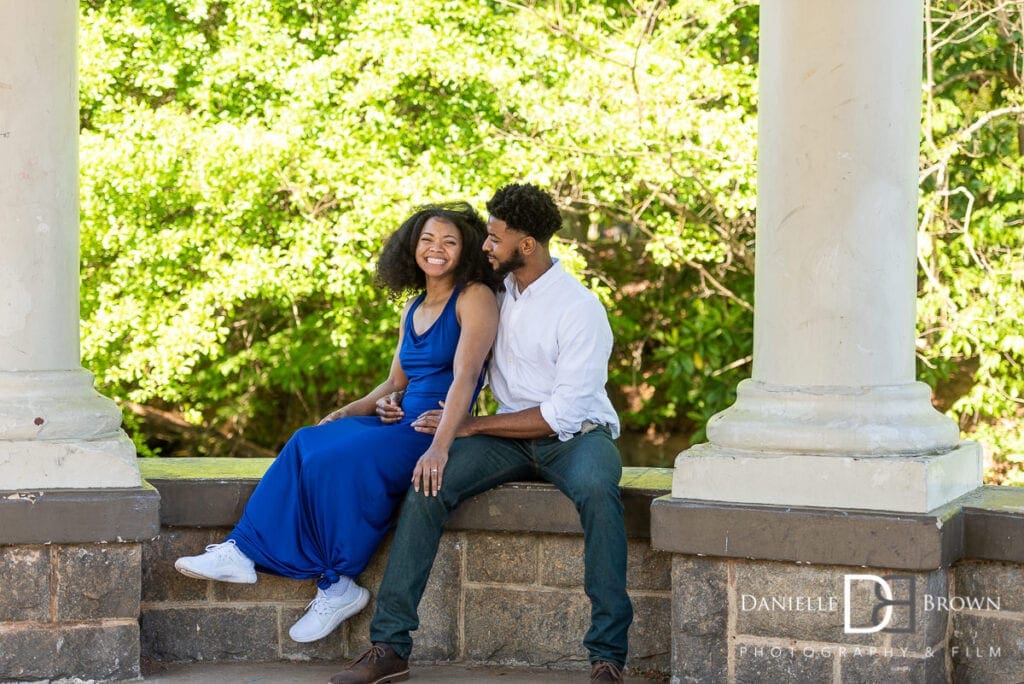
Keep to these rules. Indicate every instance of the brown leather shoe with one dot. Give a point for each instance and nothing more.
(378, 665)
(605, 672)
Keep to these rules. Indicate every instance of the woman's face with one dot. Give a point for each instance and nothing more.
(439, 248)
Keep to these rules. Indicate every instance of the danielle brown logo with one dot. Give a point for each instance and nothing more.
(882, 603)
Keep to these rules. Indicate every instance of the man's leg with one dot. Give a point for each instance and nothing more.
(587, 469)
(475, 464)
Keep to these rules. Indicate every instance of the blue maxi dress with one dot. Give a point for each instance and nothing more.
(330, 496)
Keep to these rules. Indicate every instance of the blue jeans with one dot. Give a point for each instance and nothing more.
(586, 468)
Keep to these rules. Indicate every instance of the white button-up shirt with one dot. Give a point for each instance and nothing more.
(552, 351)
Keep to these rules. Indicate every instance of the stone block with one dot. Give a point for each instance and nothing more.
(699, 659)
(700, 596)
(561, 561)
(648, 569)
(25, 582)
(986, 649)
(28, 654)
(523, 627)
(893, 668)
(1002, 582)
(931, 620)
(993, 524)
(102, 653)
(438, 636)
(160, 581)
(757, 663)
(700, 617)
(357, 633)
(503, 558)
(331, 647)
(561, 564)
(822, 536)
(96, 581)
(533, 507)
(803, 602)
(650, 639)
(437, 639)
(78, 515)
(268, 588)
(184, 634)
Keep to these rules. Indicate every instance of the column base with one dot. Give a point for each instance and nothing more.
(901, 483)
(69, 463)
(53, 405)
(57, 432)
(874, 420)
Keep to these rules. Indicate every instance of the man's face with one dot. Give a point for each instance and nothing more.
(502, 247)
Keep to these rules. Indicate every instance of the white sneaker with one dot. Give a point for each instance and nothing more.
(324, 614)
(221, 562)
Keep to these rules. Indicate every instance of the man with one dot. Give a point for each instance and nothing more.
(554, 422)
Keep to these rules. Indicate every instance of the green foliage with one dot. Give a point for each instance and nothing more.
(242, 160)
(971, 242)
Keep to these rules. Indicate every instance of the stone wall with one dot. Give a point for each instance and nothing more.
(494, 597)
(775, 622)
(722, 592)
(987, 645)
(506, 588)
(761, 621)
(70, 582)
(65, 608)
(824, 618)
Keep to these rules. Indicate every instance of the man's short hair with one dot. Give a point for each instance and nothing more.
(528, 209)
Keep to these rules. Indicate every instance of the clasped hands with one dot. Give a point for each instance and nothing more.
(429, 470)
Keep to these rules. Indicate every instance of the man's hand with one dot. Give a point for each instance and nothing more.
(389, 408)
(428, 421)
(429, 471)
(333, 416)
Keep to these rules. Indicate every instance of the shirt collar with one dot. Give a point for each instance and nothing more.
(549, 277)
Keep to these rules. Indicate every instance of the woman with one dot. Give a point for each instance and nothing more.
(329, 497)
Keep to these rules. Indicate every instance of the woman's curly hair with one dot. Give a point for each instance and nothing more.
(527, 209)
(397, 269)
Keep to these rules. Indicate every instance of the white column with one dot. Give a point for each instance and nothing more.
(833, 415)
(55, 430)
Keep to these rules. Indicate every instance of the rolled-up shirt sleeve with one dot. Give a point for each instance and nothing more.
(581, 369)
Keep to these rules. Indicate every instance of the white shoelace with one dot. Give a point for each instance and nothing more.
(320, 605)
(224, 547)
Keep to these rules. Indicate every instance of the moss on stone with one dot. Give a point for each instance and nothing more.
(1000, 499)
(203, 468)
(659, 479)
(253, 468)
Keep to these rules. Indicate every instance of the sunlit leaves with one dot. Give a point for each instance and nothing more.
(241, 162)
(971, 249)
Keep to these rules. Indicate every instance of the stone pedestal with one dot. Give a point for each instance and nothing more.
(55, 430)
(73, 512)
(69, 611)
(71, 572)
(833, 415)
(788, 594)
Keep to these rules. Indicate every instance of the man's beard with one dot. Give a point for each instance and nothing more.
(514, 261)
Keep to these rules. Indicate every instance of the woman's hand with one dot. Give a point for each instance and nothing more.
(333, 416)
(430, 470)
(389, 408)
